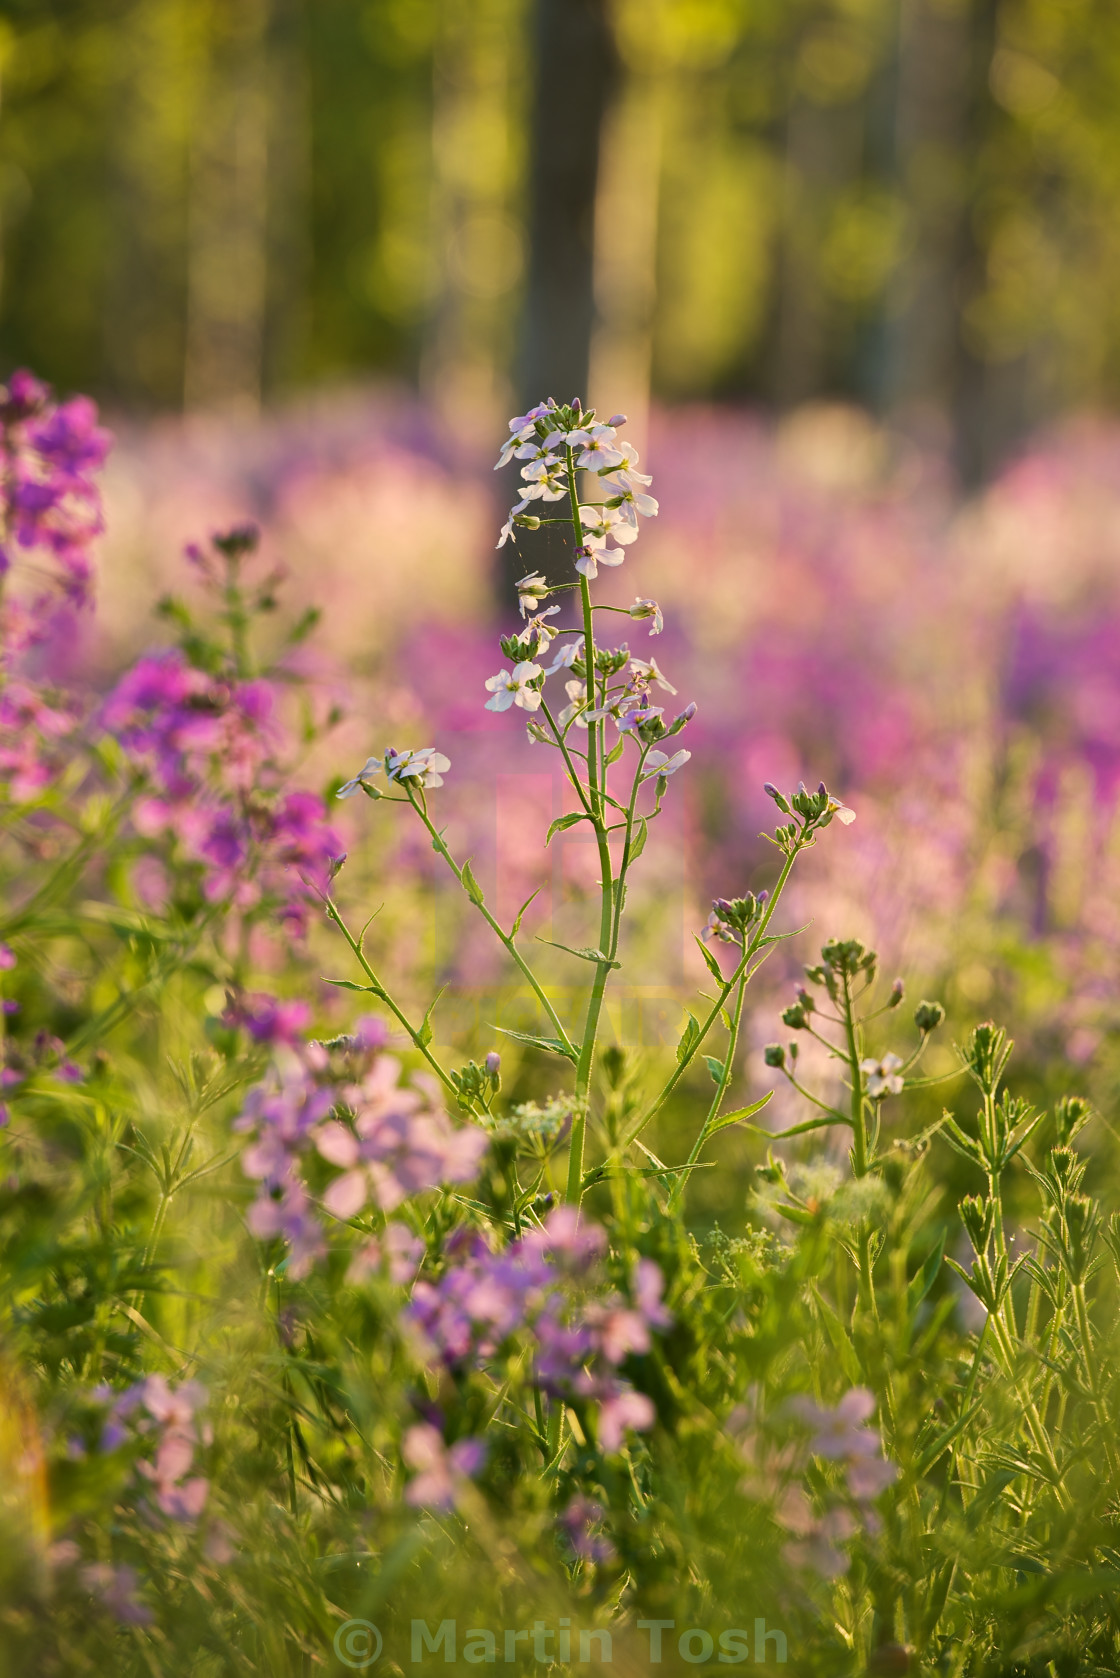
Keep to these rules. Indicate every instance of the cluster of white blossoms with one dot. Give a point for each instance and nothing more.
(424, 766)
(554, 450)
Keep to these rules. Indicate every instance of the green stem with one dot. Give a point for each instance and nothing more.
(383, 995)
(717, 1006)
(440, 847)
(717, 1099)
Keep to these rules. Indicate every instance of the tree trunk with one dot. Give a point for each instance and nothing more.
(575, 73)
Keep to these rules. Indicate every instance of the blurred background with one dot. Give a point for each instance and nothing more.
(849, 266)
(906, 204)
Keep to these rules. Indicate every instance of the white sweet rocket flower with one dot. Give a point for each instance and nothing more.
(537, 633)
(576, 708)
(648, 609)
(507, 528)
(544, 483)
(595, 444)
(631, 501)
(531, 591)
(566, 656)
(604, 524)
(628, 466)
(659, 763)
(513, 687)
(648, 671)
(535, 450)
(884, 1077)
(522, 428)
(841, 812)
(589, 559)
(371, 767)
(425, 765)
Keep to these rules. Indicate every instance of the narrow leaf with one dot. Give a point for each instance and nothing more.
(689, 1038)
(737, 1117)
(710, 961)
(552, 1044)
(471, 885)
(638, 842)
(584, 952)
(715, 1067)
(348, 984)
(563, 822)
(424, 1035)
(516, 928)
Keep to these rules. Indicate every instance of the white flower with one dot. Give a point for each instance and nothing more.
(372, 766)
(658, 763)
(512, 687)
(604, 524)
(544, 483)
(649, 672)
(522, 427)
(507, 528)
(841, 812)
(632, 501)
(566, 656)
(589, 559)
(576, 708)
(531, 590)
(883, 1076)
(535, 450)
(595, 445)
(648, 609)
(425, 765)
(627, 467)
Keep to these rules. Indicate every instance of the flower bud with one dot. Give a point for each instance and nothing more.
(771, 791)
(898, 991)
(527, 521)
(493, 1062)
(617, 419)
(774, 1055)
(928, 1016)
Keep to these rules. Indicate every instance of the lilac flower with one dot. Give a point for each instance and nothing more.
(268, 1019)
(117, 1589)
(578, 1522)
(484, 1299)
(840, 1433)
(7, 958)
(441, 1473)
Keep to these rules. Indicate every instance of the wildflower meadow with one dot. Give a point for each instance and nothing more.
(513, 1152)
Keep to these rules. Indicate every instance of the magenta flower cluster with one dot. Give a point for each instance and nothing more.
(548, 1285)
(51, 502)
(50, 514)
(207, 748)
(344, 1102)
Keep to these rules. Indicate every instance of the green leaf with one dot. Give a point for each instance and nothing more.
(552, 1044)
(562, 822)
(584, 951)
(715, 1067)
(471, 885)
(689, 1039)
(638, 842)
(710, 961)
(516, 928)
(424, 1035)
(613, 757)
(740, 1113)
(619, 889)
(920, 1284)
(348, 984)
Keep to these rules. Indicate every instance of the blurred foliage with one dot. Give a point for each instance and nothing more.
(911, 202)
